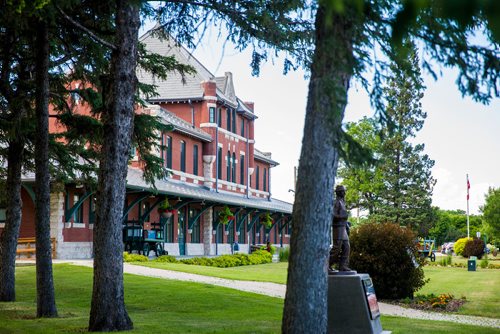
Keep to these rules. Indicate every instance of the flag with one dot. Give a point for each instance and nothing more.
(468, 187)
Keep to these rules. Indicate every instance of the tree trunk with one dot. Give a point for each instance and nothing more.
(305, 309)
(46, 304)
(10, 234)
(108, 312)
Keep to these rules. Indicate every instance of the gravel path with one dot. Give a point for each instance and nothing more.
(278, 290)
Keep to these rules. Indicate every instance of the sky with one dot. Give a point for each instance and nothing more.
(460, 135)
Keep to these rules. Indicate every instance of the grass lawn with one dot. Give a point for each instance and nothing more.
(481, 288)
(163, 306)
(271, 272)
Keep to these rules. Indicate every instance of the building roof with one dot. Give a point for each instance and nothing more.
(177, 88)
(178, 123)
(264, 156)
(181, 189)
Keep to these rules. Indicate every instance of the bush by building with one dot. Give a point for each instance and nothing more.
(389, 254)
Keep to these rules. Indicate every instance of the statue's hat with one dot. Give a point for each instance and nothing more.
(339, 188)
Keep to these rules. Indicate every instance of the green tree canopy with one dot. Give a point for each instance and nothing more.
(491, 212)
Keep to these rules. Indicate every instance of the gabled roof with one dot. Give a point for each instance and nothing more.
(265, 157)
(178, 123)
(173, 88)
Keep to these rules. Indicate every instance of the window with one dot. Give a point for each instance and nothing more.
(211, 114)
(219, 117)
(264, 181)
(219, 164)
(234, 121)
(3, 215)
(242, 130)
(132, 151)
(183, 156)
(92, 201)
(195, 159)
(228, 119)
(230, 236)
(242, 169)
(257, 175)
(241, 237)
(78, 215)
(233, 178)
(166, 151)
(220, 231)
(195, 235)
(143, 209)
(228, 166)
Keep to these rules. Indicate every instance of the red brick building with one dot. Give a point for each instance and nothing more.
(212, 163)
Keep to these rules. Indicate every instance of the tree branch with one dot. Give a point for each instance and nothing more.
(86, 30)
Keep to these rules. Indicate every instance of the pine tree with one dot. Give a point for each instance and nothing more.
(405, 171)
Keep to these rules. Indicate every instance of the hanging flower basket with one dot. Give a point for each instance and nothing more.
(167, 213)
(165, 209)
(225, 215)
(266, 220)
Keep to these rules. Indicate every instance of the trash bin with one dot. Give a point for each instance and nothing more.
(471, 263)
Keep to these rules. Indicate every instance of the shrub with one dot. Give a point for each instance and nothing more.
(284, 254)
(459, 246)
(389, 254)
(134, 258)
(166, 259)
(474, 247)
(273, 248)
(235, 260)
(445, 261)
(484, 262)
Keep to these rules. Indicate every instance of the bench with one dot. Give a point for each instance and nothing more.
(29, 247)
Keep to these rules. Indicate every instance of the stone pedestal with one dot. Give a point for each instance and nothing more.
(352, 305)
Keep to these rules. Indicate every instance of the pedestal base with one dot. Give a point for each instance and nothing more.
(352, 305)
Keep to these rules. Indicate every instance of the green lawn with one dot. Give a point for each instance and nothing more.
(481, 288)
(164, 306)
(271, 272)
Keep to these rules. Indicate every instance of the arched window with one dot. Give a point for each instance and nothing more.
(242, 169)
(257, 176)
(234, 169)
(219, 163)
(195, 159)
(183, 156)
(228, 119)
(264, 180)
(228, 167)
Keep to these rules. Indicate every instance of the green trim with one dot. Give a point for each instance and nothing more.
(30, 191)
(195, 219)
(288, 221)
(134, 203)
(151, 208)
(254, 220)
(70, 212)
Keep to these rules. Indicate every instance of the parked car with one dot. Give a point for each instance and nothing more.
(447, 248)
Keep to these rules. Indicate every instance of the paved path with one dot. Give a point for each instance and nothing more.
(278, 290)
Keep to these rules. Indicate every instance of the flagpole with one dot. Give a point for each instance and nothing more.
(468, 186)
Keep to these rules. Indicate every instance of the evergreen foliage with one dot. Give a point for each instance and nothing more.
(398, 187)
(389, 254)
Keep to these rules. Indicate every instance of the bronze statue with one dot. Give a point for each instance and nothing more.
(341, 248)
